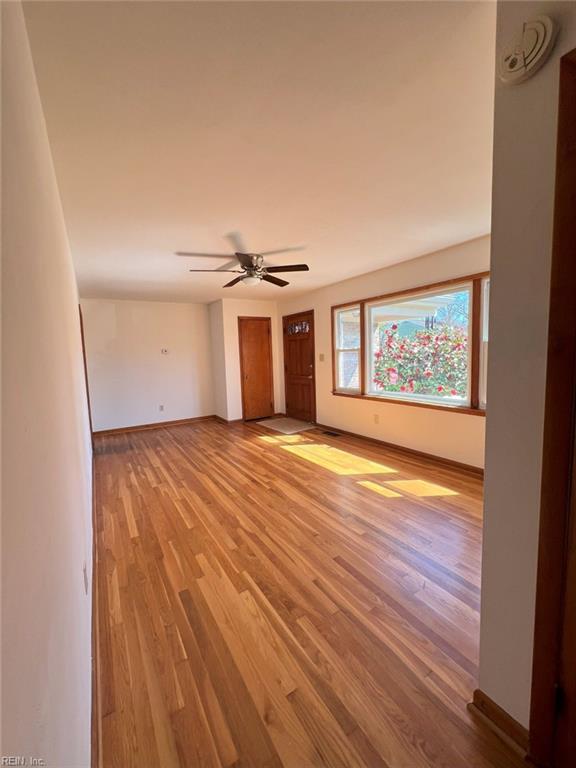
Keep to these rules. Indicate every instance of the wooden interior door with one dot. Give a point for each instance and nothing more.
(255, 338)
(553, 701)
(299, 370)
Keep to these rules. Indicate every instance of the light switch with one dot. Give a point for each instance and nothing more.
(321, 357)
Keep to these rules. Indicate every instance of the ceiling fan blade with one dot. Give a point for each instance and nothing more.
(275, 280)
(283, 250)
(229, 265)
(215, 270)
(289, 268)
(237, 242)
(233, 282)
(203, 255)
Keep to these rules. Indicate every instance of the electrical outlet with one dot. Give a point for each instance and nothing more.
(376, 418)
(321, 357)
(160, 407)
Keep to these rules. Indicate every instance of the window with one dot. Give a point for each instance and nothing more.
(347, 348)
(424, 347)
(418, 347)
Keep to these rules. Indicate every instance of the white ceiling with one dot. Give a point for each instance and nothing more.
(360, 130)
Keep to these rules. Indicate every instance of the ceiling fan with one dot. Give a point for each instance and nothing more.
(252, 269)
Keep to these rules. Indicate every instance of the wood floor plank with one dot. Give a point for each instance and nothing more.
(265, 607)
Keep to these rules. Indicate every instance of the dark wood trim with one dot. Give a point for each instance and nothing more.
(333, 344)
(547, 726)
(96, 715)
(268, 320)
(440, 460)
(285, 320)
(461, 409)
(84, 358)
(416, 289)
(362, 348)
(510, 730)
(474, 408)
(154, 425)
(313, 365)
(475, 344)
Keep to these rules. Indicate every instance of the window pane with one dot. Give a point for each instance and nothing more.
(348, 370)
(485, 307)
(418, 347)
(348, 324)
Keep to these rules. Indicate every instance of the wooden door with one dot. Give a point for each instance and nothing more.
(299, 372)
(553, 701)
(255, 338)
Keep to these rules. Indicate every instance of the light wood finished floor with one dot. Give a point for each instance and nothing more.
(266, 602)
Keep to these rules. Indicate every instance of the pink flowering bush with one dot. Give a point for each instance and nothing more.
(428, 362)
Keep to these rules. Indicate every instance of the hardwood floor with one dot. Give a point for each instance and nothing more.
(260, 605)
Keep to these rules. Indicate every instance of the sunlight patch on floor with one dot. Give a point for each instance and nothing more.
(421, 488)
(337, 461)
(279, 439)
(377, 488)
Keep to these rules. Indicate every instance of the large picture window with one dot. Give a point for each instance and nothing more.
(424, 347)
(418, 347)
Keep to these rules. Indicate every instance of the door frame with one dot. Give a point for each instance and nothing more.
(285, 320)
(240, 342)
(558, 489)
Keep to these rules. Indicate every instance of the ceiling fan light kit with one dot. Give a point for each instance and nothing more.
(252, 270)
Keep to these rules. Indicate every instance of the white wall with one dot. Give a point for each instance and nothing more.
(523, 193)
(224, 318)
(130, 378)
(46, 454)
(455, 436)
(218, 357)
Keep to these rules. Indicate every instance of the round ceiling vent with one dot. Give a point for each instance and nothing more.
(528, 54)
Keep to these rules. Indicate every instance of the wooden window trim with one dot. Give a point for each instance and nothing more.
(474, 409)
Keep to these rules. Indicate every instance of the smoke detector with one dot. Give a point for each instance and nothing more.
(525, 57)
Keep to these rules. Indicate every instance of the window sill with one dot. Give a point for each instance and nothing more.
(462, 409)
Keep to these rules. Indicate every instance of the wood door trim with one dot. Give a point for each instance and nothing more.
(267, 320)
(285, 320)
(556, 504)
(96, 714)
